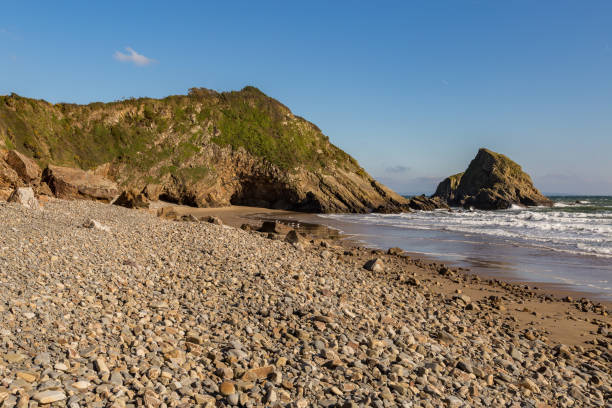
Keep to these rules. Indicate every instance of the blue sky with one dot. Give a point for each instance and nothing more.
(411, 89)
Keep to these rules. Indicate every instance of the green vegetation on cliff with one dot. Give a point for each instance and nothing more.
(203, 149)
(143, 132)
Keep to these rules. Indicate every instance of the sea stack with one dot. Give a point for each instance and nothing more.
(491, 182)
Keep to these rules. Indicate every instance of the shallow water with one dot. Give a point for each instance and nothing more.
(568, 246)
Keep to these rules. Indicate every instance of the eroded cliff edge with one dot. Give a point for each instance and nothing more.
(203, 149)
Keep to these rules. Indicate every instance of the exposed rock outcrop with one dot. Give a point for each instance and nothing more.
(27, 169)
(205, 149)
(447, 188)
(69, 183)
(132, 199)
(43, 189)
(419, 203)
(491, 182)
(8, 177)
(424, 203)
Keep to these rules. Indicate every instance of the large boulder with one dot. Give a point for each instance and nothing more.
(8, 176)
(491, 182)
(9, 179)
(27, 169)
(25, 197)
(69, 183)
(132, 199)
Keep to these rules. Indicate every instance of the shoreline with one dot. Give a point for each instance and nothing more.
(537, 305)
(310, 224)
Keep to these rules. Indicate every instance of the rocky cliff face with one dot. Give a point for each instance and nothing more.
(202, 149)
(492, 181)
(447, 188)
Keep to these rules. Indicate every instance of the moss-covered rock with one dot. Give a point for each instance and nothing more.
(492, 181)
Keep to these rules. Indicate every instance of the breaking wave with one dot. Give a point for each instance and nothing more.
(581, 226)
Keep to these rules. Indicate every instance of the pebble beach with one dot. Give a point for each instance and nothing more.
(102, 306)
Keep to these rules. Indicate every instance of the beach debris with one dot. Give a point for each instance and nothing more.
(211, 219)
(90, 223)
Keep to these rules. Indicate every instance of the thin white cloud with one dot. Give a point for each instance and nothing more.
(397, 169)
(133, 57)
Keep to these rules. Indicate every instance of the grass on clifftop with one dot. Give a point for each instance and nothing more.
(166, 133)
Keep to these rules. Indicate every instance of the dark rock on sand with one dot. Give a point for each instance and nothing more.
(375, 265)
(424, 203)
(421, 203)
(211, 219)
(274, 227)
(132, 199)
(491, 182)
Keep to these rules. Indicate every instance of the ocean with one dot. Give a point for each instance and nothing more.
(567, 246)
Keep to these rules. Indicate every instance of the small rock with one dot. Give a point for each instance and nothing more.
(375, 265)
(50, 396)
(227, 388)
(95, 225)
(81, 385)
